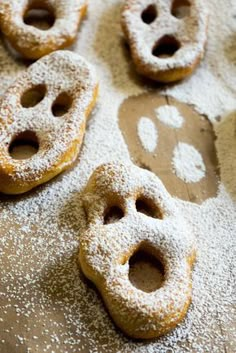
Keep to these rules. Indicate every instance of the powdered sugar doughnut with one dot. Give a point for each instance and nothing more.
(161, 231)
(33, 42)
(166, 37)
(47, 106)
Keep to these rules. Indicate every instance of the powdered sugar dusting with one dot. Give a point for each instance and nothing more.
(29, 39)
(148, 134)
(188, 163)
(46, 305)
(56, 135)
(212, 88)
(190, 32)
(163, 230)
(170, 116)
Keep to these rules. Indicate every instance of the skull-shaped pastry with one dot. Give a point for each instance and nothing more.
(32, 42)
(47, 106)
(161, 231)
(166, 37)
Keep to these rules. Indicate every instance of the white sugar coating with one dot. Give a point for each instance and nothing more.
(170, 116)
(67, 17)
(42, 291)
(103, 248)
(147, 133)
(56, 135)
(187, 163)
(190, 32)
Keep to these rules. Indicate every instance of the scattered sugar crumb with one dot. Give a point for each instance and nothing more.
(148, 134)
(169, 115)
(187, 163)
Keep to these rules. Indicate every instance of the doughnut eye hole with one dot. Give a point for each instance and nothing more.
(39, 15)
(166, 47)
(62, 104)
(24, 145)
(146, 272)
(113, 214)
(148, 207)
(180, 8)
(33, 96)
(149, 14)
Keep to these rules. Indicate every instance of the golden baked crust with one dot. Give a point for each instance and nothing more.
(105, 249)
(63, 78)
(32, 42)
(168, 48)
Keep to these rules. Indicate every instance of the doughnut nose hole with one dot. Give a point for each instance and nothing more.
(62, 104)
(33, 96)
(146, 272)
(39, 15)
(166, 47)
(113, 214)
(24, 145)
(180, 8)
(149, 14)
(148, 207)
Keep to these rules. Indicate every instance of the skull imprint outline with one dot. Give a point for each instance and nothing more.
(105, 250)
(196, 130)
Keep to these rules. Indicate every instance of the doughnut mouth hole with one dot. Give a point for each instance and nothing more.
(149, 14)
(180, 8)
(148, 207)
(166, 47)
(33, 96)
(113, 214)
(146, 271)
(39, 15)
(24, 145)
(62, 104)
